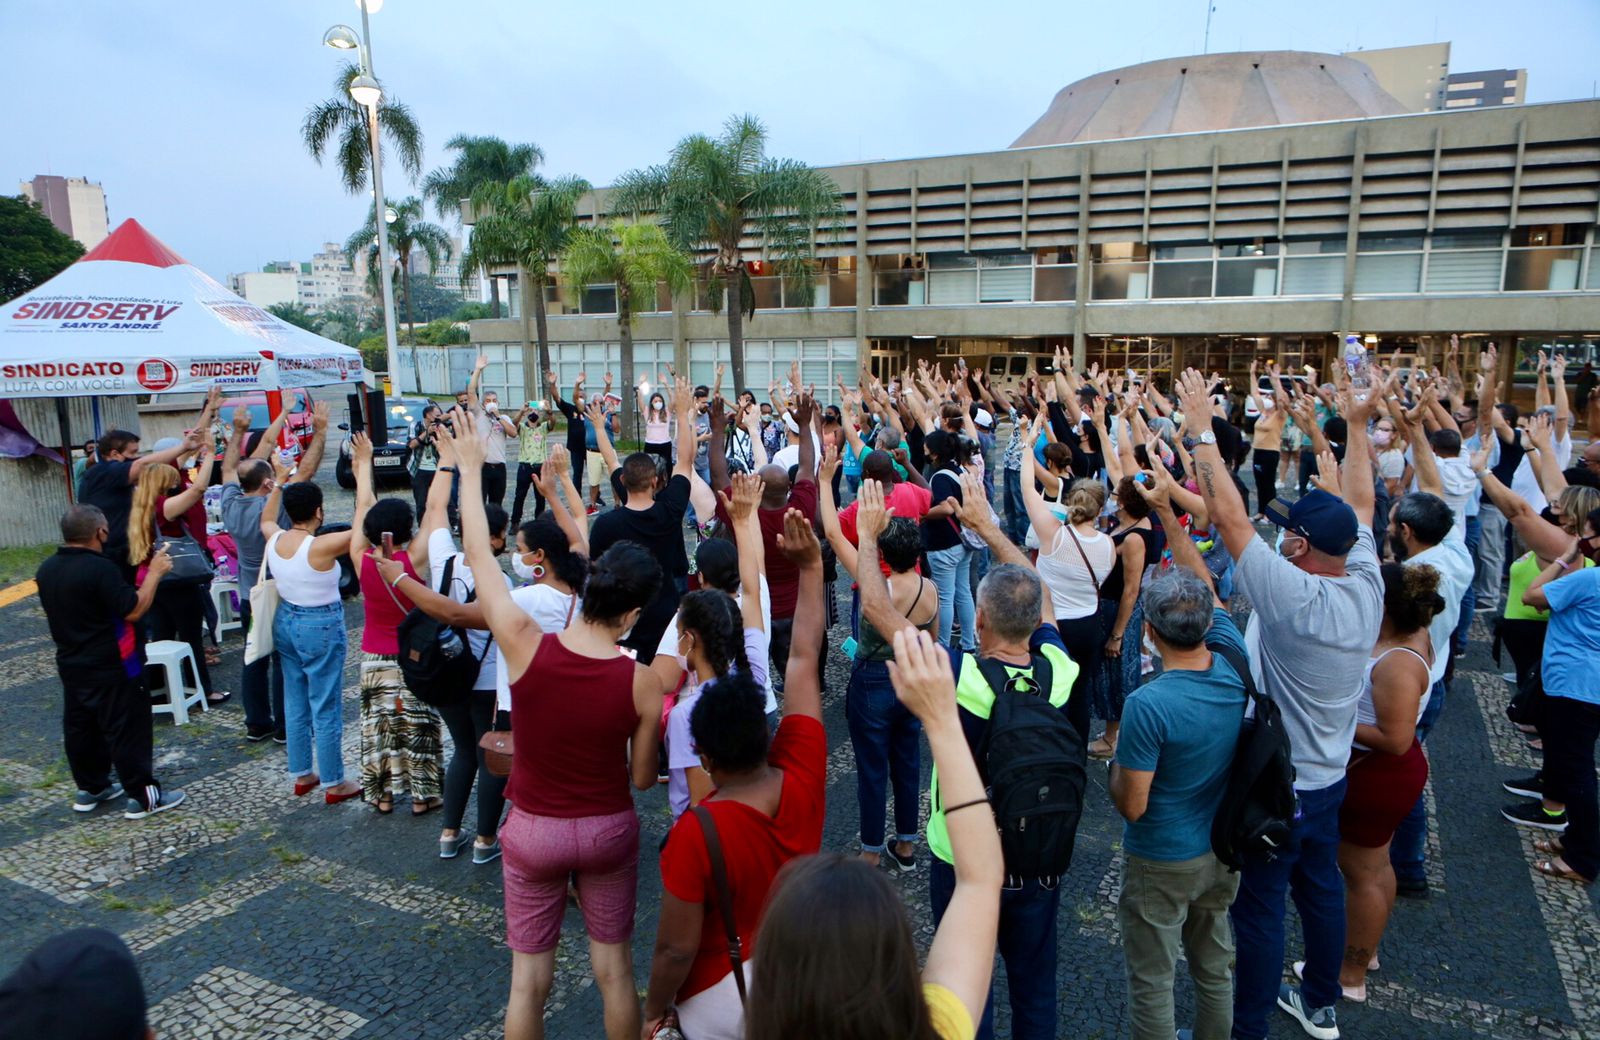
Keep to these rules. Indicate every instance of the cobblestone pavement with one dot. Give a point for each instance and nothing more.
(256, 914)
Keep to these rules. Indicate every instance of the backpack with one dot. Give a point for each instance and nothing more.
(1033, 761)
(1258, 808)
(435, 658)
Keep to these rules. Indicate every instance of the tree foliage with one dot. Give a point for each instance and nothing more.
(712, 192)
(409, 233)
(297, 315)
(481, 160)
(32, 249)
(339, 125)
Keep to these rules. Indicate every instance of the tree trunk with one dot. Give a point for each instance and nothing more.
(541, 327)
(733, 299)
(630, 412)
(411, 331)
(494, 292)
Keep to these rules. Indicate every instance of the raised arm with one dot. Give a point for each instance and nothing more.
(230, 454)
(1558, 393)
(1570, 561)
(1157, 491)
(268, 444)
(828, 513)
(872, 518)
(319, 439)
(595, 411)
(802, 684)
(274, 505)
(436, 510)
(741, 507)
(805, 415)
(1224, 507)
(472, 383)
(1546, 539)
(717, 451)
(683, 407)
(1423, 460)
(1045, 524)
(185, 500)
(170, 456)
(961, 957)
(1552, 481)
(573, 519)
(1356, 474)
(361, 462)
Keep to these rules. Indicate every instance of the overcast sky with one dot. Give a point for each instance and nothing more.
(189, 113)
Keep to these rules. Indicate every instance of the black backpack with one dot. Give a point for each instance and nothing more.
(435, 658)
(1033, 763)
(1257, 812)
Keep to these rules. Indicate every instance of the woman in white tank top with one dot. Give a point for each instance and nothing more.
(308, 635)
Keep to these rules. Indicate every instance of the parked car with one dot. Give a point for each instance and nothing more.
(389, 461)
(297, 402)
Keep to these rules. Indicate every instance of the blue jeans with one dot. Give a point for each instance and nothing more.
(1309, 869)
(952, 574)
(310, 642)
(1469, 600)
(1027, 944)
(1408, 850)
(261, 684)
(884, 736)
(1016, 511)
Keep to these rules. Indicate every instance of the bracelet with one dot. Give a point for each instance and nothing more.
(396, 583)
(965, 805)
(446, 469)
(1564, 564)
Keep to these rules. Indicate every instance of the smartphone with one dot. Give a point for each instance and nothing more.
(388, 545)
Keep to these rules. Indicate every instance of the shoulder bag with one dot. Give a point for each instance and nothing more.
(497, 744)
(1067, 524)
(719, 877)
(263, 609)
(190, 565)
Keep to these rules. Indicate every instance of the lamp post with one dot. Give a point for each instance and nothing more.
(364, 91)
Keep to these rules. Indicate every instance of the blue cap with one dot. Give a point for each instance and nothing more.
(1324, 520)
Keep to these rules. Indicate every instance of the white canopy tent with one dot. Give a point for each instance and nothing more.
(133, 317)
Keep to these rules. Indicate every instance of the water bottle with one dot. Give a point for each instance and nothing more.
(450, 643)
(1355, 355)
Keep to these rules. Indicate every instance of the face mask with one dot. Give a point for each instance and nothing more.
(491, 406)
(521, 568)
(1382, 438)
(1268, 404)
(1278, 545)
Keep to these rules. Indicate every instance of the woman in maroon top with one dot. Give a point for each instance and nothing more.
(400, 743)
(586, 721)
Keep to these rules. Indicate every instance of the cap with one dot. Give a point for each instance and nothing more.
(788, 421)
(1324, 520)
(983, 418)
(80, 985)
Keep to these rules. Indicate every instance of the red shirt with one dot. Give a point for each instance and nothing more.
(783, 577)
(755, 847)
(571, 717)
(906, 499)
(385, 607)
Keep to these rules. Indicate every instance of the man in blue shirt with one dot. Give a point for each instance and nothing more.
(1171, 768)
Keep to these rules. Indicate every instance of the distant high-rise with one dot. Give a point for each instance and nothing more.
(77, 207)
(1421, 79)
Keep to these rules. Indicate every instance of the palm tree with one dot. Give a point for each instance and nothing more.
(342, 123)
(636, 257)
(482, 160)
(408, 233)
(711, 192)
(530, 218)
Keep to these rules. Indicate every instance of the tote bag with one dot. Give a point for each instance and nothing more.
(263, 609)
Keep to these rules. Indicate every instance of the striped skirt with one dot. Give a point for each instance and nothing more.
(401, 748)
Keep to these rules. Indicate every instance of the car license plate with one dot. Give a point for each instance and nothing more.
(393, 460)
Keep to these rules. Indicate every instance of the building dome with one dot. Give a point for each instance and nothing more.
(1211, 92)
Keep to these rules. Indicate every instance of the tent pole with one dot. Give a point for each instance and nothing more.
(65, 422)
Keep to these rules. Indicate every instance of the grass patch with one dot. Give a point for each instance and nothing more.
(111, 901)
(161, 906)
(288, 856)
(54, 775)
(21, 562)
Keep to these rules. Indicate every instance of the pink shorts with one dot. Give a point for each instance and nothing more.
(542, 853)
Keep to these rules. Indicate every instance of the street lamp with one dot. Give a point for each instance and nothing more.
(365, 91)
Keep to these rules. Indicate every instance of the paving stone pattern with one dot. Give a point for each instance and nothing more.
(257, 914)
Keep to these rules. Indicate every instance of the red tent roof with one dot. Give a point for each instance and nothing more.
(131, 243)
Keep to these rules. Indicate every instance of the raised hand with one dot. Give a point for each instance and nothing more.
(922, 677)
(1541, 432)
(1327, 476)
(557, 463)
(830, 465)
(360, 449)
(319, 417)
(746, 489)
(460, 435)
(872, 516)
(798, 542)
(481, 364)
(241, 419)
(1191, 389)
(973, 509)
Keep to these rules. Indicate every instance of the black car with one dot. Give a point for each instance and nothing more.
(390, 462)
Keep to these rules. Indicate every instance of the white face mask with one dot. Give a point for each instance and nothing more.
(1382, 438)
(522, 568)
(491, 406)
(1268, 404)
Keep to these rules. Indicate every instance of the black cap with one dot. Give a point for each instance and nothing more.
(80, 985)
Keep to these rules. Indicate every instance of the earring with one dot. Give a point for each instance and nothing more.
(538, 571)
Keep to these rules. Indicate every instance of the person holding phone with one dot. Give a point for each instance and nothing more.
(533, 425)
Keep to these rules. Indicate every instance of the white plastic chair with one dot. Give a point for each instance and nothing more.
(170, 655)
(222, 593)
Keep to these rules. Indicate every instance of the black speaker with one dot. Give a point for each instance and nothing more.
(369, 414)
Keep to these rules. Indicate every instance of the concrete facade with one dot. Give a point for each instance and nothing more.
(1417, 76)
(77, 207)
(1489, 87)
(1210, 247)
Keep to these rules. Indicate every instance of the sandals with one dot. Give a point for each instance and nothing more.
(1548, 846)
(1102, 749)
(214, 698)
(425, 807)
(213, 656)
(384, 806)
(1548, 868)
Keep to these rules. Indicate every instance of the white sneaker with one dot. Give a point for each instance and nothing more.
(1320, 1023)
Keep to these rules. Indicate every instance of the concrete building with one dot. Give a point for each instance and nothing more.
(77, 207)
(268, 287)
(448, 274)
(327, 282)
(1206, 248)
(1490, 87)
(1420, 78)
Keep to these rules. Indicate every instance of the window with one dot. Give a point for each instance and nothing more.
(1019, 366)
(997, 365)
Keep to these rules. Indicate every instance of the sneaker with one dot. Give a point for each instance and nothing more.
(1408, 888)
(256, 734)
(87, 802)
(164, 800)
(904, 864)
(450, 848)
(482, 854)
(1526, 814)
(1509, 677)
(1317, 1022)
(1528, 787)
(280, 737)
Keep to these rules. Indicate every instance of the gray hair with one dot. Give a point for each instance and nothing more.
(80, 522)
(1177, 604)
(1011, 599)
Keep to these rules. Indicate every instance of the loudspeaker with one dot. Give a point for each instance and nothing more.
(369, 414)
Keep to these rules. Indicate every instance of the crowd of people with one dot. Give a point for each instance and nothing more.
(1113, 598)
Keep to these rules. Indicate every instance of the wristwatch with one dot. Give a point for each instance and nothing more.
(447, 469)
(1207, 437)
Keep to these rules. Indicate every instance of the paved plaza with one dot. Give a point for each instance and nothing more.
(257, 914)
